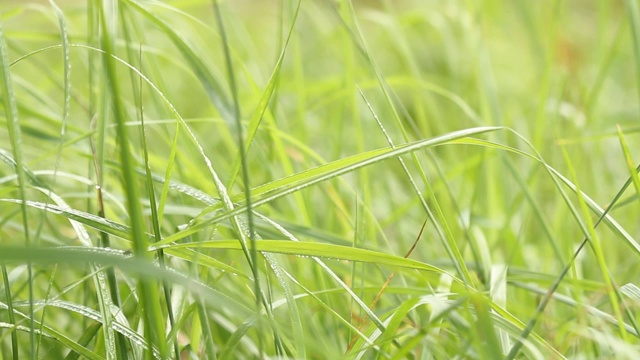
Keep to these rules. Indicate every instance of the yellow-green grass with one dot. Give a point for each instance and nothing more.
(239, 179)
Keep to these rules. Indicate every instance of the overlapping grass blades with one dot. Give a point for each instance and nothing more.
(210, 181)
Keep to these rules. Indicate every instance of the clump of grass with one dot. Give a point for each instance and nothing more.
(226, 180)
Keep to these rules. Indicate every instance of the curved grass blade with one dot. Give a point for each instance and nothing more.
(345, 165)
(94, 221)
(305, 249)
(7, 158)
(59, 336)
(211, 85)
(122, 231)
(548, 296)
(293, 183)
(102, 290)
(445, 234)
(121, 328)
(439, 223)
(132, 265)
(556, 175)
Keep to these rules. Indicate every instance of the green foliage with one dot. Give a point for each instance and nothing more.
(228, 180)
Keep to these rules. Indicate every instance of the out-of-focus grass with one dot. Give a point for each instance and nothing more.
(176, 183)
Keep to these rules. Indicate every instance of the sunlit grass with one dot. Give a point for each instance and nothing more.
(192, 179)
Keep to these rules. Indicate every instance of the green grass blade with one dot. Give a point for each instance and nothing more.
(293, 183)
(633, 172)
(214, 89)
(314, 249)
(597, 248)
(58, 335)
(258, 113)
(155, 215)
(84, 340)
(12, 320)
(13, 127)
(249, 250)
(149, 292)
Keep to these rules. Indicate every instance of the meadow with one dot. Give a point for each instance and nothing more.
(319, 179)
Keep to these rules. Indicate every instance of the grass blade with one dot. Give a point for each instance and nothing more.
(15, 138)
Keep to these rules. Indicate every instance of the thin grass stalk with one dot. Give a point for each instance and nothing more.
(384, 286)
(44, 308)
(15, 350)
(67, 82)
(253, 254)
(210, 346)
(250, 251)
(99, 125)
(122, 354)
(596, 247)
(170, 161)
(15, 138)
(98, 120)
(65, 115)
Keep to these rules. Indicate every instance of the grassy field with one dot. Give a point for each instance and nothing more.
(320, 179)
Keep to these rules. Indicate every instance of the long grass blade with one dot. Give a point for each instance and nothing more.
(15, 138)
(149, 292)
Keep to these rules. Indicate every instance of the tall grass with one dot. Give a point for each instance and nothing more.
(319, 179)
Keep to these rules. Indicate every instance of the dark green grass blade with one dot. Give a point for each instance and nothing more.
(155, 213)
(149, 292)
(84, 340)
(98, 109)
